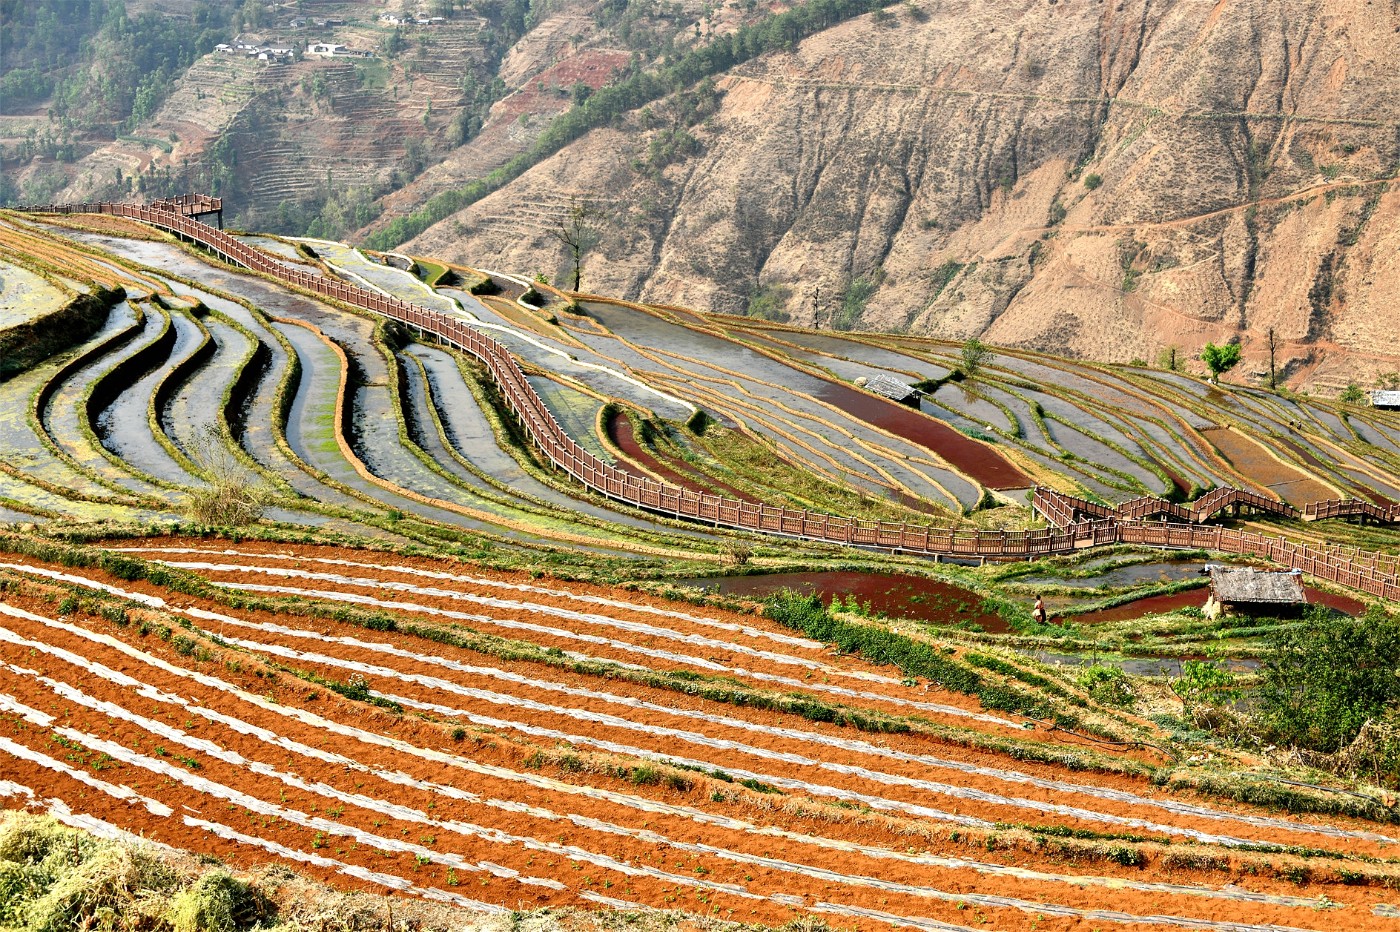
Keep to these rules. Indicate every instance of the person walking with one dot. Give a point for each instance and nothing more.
(1038, 613)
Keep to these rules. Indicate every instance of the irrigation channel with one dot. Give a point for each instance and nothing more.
(543, 429)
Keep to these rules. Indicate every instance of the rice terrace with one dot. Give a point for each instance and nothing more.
(346, 589)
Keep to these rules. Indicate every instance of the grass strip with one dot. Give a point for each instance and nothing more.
(914, 658)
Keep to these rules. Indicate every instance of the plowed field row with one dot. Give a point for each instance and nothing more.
(512, 784)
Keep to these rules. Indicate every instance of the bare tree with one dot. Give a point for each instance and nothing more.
(578, 232)
(1273, 370)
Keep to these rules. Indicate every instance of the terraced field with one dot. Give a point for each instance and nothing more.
(462, 646)
(464, 760)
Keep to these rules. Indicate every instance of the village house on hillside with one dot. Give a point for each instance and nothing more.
(334, 50)
(254, 49)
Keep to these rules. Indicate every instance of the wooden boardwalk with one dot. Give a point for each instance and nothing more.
(1150, 506)
(1076, 524)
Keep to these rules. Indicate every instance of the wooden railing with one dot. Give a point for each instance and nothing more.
(1350, 508)
(189, 205)
(1373, 576)
(1204, 508)
(1374, 573)
(1066, 533)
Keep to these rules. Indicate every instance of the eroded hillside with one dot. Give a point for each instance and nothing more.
(1103, 181)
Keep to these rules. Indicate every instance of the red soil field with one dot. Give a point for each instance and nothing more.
(1161, 604)
(978, 461)
(514, 778)
(622, 436)
(895, 594)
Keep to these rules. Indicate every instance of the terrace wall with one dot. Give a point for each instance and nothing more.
(1372, 573)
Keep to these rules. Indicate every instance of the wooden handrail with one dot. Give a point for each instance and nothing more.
(1066, 534)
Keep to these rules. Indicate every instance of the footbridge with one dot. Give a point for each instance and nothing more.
(1060, 509)
(1075, 524)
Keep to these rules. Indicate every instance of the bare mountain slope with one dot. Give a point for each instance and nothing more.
(1099, 179)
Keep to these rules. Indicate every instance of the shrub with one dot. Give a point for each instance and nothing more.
(1126, 855)
(1108, 685)
(975, 355)
(698, 422)
(1322, 680)
(1093, 182)
(211, 904)
(737, 553)
(769, 302)
(857, 294)
(234, 496)
(1204, 682)
(95, 891)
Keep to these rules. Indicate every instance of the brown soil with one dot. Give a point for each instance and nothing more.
(1161, 604)
(571, 812)
(1294, 486)
(669, 470)
(895, 594)
(1152, 605)
(976, 460)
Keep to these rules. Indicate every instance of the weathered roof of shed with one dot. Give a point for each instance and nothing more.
(1246, 585)
(890, 387)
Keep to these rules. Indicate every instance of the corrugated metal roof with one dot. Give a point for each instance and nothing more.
(888, 386)
(1246, 585)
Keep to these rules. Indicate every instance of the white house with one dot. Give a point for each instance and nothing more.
(1385, 399)
(333, 50)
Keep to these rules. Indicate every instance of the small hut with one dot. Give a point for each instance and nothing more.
(1254, 592)
(891, 388)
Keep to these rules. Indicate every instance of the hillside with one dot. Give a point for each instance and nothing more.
(1107, 182)
(1099, 181)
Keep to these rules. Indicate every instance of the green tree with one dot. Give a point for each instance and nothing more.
(1322, 680)
(1093, 182)
(1353, 395)
(1220, 359)
(975, 355)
